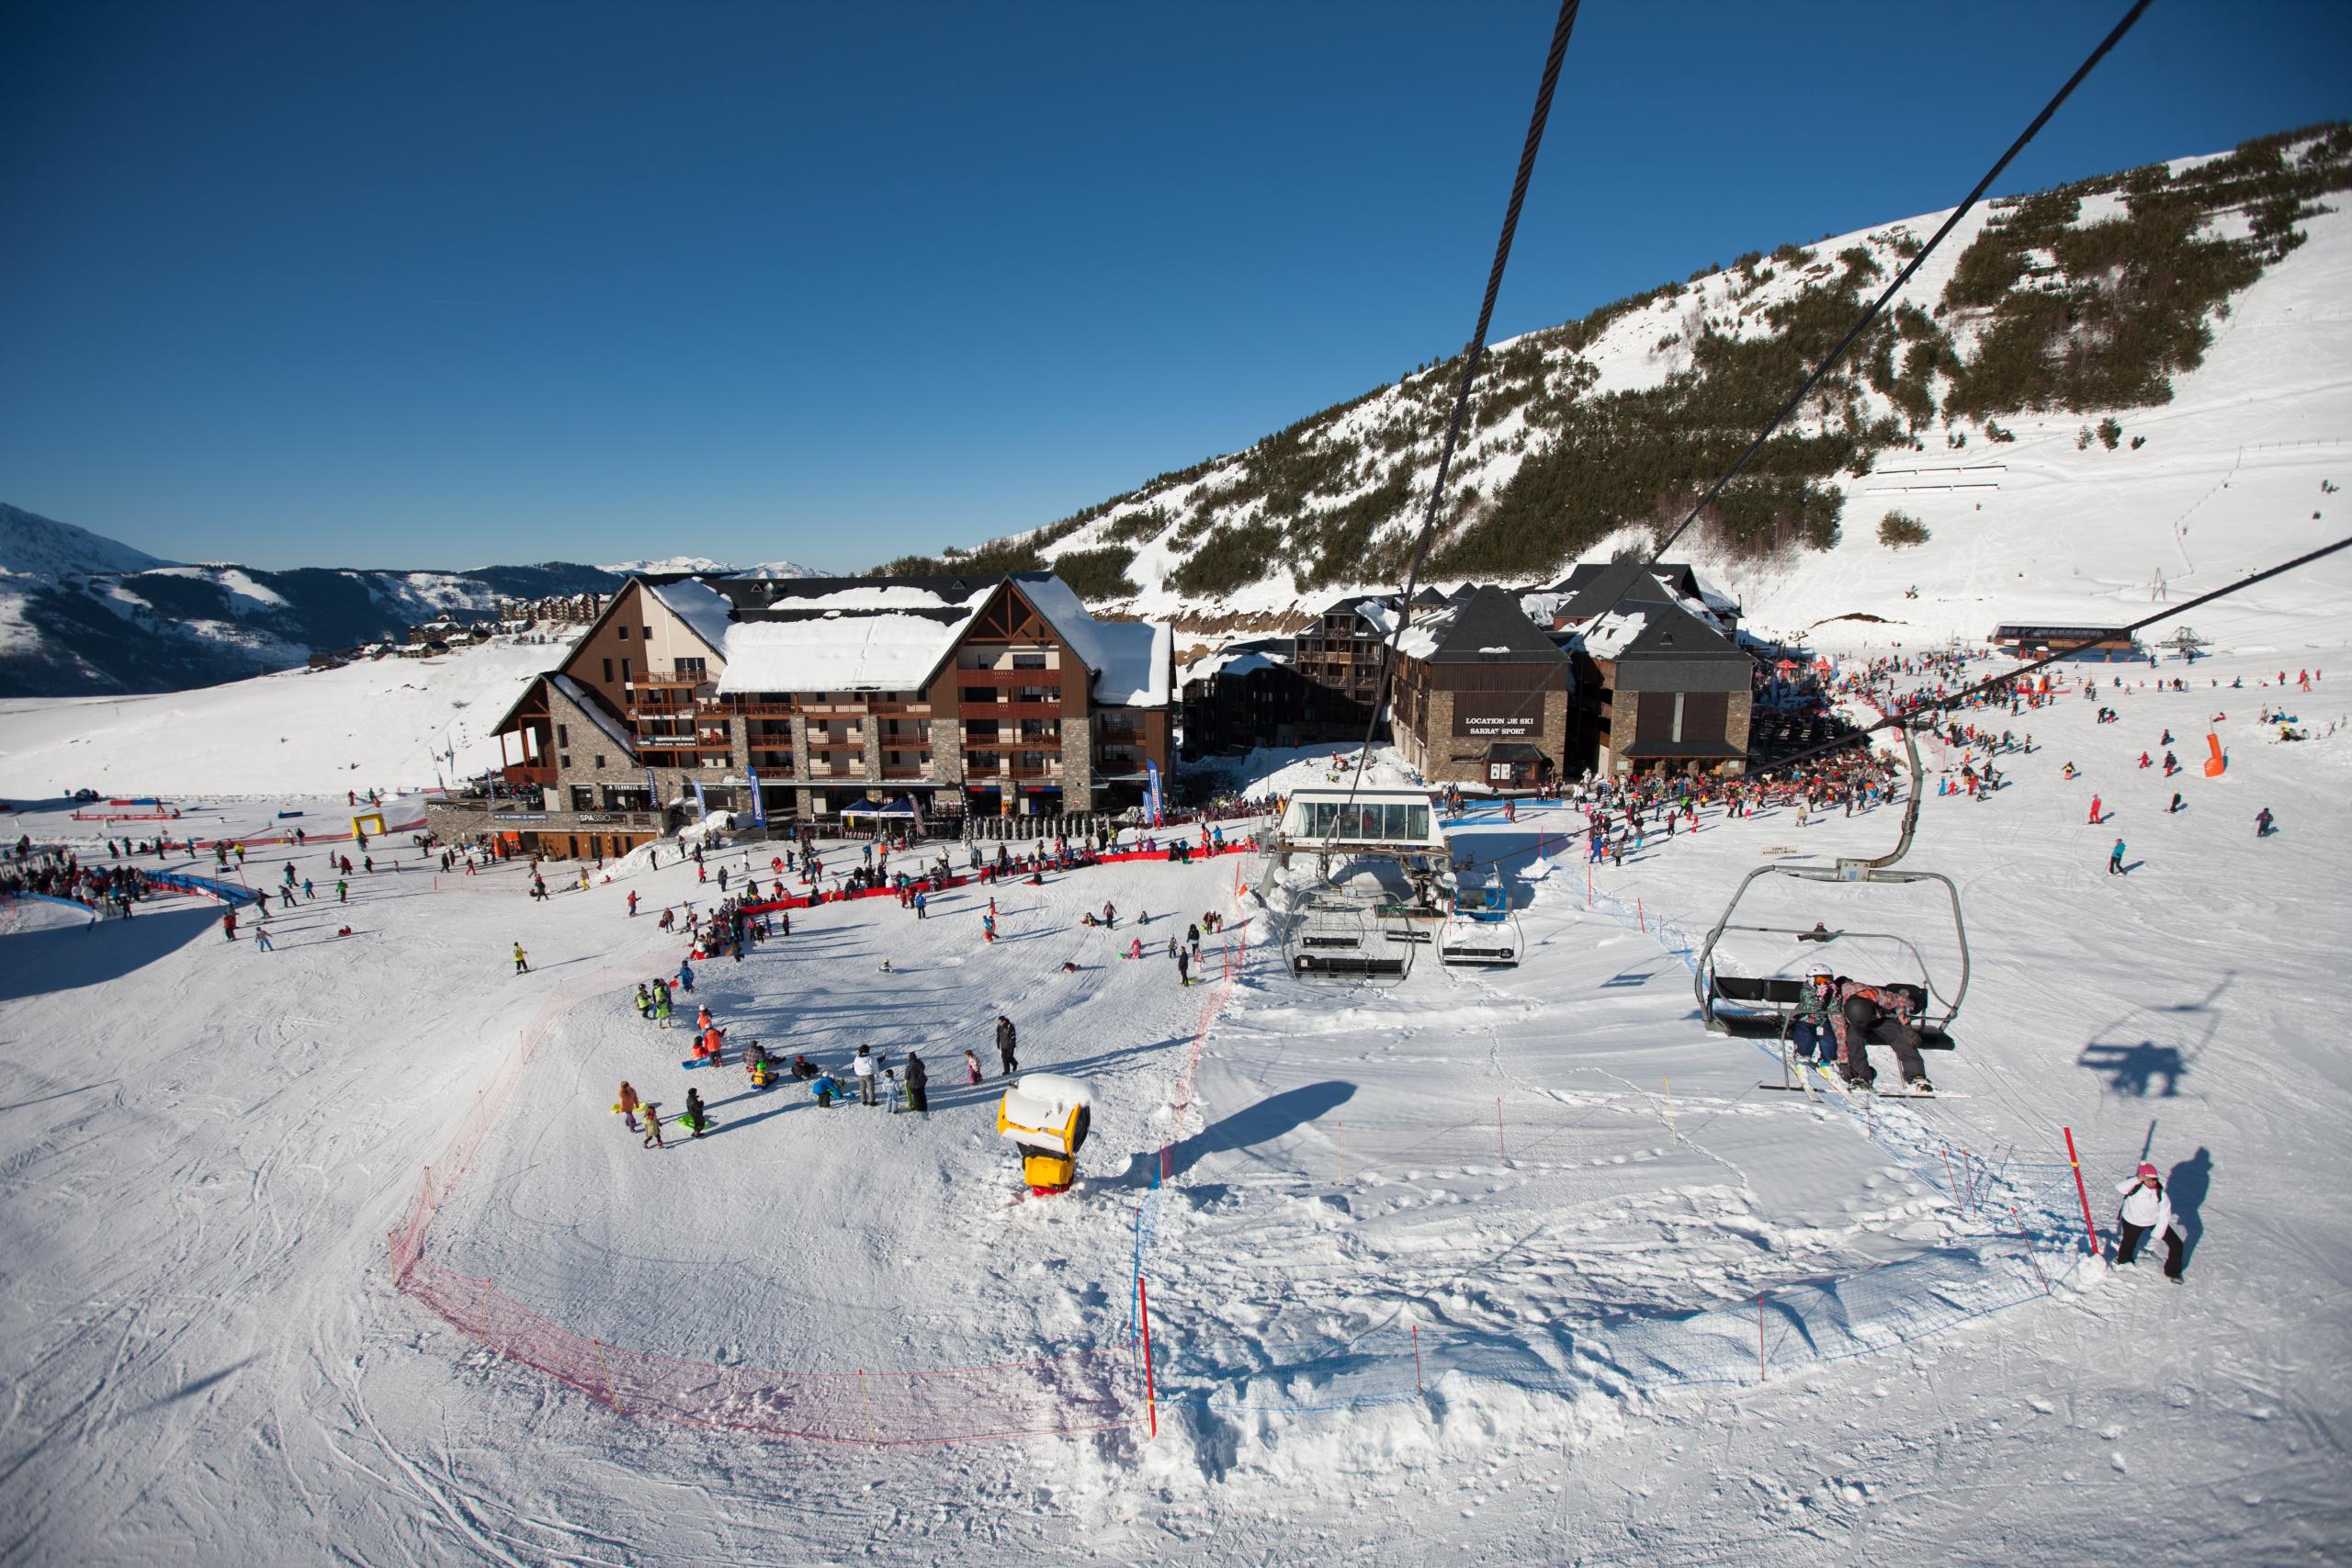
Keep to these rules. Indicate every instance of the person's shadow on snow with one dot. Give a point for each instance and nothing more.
(2188, 1185)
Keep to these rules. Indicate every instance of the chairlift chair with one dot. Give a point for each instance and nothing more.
(1480, 929)
(1767, 1007)
(1330, 940)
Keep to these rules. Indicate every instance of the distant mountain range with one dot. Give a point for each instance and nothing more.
(81, 614)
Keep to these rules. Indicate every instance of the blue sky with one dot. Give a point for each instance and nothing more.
(441, 285)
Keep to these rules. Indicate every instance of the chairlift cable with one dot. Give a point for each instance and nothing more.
(1472, 357)
(2170, 612)
(1796, 400)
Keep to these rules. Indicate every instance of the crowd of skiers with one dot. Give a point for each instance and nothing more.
(868, 1075)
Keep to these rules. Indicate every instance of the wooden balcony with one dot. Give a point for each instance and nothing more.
(818, 743)
(970, 711)
(904, 771)
(1007, 677)
(667, 679)
(541, 774)
(756, 709)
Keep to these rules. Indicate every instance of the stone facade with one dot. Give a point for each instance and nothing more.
(1442, 756)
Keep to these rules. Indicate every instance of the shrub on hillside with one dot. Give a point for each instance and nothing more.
(1233, 554)
(1097, 574)
(1900, 530)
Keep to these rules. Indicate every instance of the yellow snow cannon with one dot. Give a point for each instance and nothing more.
(1045, 1116)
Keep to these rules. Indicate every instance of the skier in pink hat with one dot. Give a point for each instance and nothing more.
(2147, 1210)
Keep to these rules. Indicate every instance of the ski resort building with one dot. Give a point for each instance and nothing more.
(803, 697)
(1246, 693)
(1662, 684)
(2088, 644)
(1482, 693)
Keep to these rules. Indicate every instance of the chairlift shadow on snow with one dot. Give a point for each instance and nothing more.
(1274, 1117)
(66, 958)
(2134, 1069)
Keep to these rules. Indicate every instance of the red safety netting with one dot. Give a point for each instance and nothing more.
(1080, 1391)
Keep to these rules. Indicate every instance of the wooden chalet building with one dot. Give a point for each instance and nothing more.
(777, 698)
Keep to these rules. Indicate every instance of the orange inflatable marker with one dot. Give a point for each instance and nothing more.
(2216, 762)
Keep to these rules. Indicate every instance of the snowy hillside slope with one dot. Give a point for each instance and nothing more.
(81, 613)
(1559, 466)
(388, 724)
(34, 546)
(206, 1143)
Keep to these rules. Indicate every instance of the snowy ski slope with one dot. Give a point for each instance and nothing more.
(204, 1147)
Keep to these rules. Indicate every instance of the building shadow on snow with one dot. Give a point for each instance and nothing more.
(66, 958)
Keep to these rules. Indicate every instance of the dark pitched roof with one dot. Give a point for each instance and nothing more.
(1667, 630)
(1485, 619)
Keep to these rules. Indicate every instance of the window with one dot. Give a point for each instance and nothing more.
(1677, 734)
(563, 758)
(608, 672)
(583, 799)
(624, 631)
(687, 666)
(645, 633)
(598, 760)
(980, 693)
(563, 735)
(1028, 661)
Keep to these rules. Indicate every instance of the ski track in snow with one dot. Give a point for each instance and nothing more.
(201, 1147)
(204, 1147)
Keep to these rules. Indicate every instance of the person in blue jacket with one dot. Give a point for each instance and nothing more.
(2115, 860)
(686, 977)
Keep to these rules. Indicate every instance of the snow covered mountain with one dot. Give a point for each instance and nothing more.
(2053, 345)
(37, 546)
(81, 614)
(705, 564)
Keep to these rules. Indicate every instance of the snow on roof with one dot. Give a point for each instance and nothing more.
(1132, 661)
(587, 705)
(1607, 637)
(1230, 661)
(705, 609)
(836, 653)
(888, 596)
(1713, 597)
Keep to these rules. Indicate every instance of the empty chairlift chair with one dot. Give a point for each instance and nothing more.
(1480, 929)
(1333, 939)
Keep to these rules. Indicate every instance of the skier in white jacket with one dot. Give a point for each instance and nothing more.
(2147, 1210)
